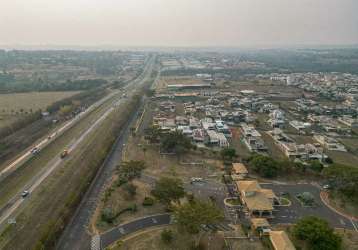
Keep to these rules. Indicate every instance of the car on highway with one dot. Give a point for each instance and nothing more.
(25, 193)
(64, 153)
(196, 180)
(35, 150)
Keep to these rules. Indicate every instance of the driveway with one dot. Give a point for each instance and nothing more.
(296, 211)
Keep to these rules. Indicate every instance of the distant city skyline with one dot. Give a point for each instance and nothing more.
(174, 23)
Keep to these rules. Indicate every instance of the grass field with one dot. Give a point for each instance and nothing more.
(16, 105)
(151, 240)
(344, 158)
(7, 120)
(351, 144)
(30, 101)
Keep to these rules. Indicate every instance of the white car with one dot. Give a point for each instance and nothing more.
(35, 150)
(25, 193)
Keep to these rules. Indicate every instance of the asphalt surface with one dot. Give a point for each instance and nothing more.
(201, 190)
(14, 204)
(296, 211)
(117, 233)
(21, 159)
(76, 235)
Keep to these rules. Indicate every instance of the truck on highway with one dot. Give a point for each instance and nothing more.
(64, 153)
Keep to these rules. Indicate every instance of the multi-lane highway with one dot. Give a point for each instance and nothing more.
(76, 235)
(49, 138)
(14, 204)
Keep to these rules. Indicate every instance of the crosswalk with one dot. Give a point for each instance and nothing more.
(216, 227)
(96, 242)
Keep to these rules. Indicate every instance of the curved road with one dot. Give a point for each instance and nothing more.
(111, 236)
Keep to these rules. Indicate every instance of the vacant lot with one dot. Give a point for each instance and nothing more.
(27, 102)
(344, 158)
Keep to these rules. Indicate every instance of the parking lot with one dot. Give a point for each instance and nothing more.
(296, 211)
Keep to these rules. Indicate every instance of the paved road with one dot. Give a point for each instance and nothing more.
(21, 159)
(16, 201)
(117, 233)
(76, 235)
(296, 211)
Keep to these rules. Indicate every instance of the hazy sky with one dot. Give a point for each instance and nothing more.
(178, 22)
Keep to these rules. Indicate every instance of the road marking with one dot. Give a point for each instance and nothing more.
(96, 242)
(154, 220)
(354, 225)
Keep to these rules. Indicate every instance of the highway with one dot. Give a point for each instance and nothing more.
(14, 204)
(44, 142)
(76, 235)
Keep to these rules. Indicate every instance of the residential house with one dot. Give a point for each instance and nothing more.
(329, 143)
(252, 138)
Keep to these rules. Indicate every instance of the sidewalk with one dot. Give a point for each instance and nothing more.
(325, 199)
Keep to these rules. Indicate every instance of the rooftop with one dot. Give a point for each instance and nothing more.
(280, 241)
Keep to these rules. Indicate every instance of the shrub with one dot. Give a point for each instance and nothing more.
(130, 188)
(107, 215)
(121, 180)
(133, 208)
(167, 236)
(148, 201)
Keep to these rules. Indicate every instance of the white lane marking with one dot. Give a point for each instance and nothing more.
(354, 225)
(96, 242)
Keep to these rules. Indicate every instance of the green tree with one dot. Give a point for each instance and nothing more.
(228, 154)
(317, 233)
(65, 110)
(316, 166)
(167, 236)
(108, 215)
(190, 216)
(264, 165)
(168, 189)
(153, 134)
(130, 170)
(176, 142)
(343, 179)
(130, 188)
